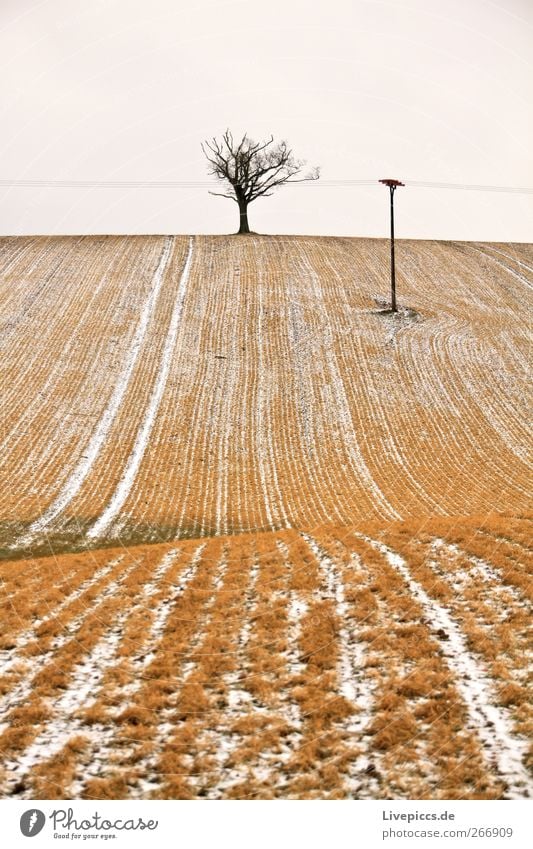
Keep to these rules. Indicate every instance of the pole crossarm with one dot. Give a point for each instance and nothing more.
(393, 184)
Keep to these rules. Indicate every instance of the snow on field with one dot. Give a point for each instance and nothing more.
(101, 431)
(134, 460)
(34, 665)
(290, 665)
(486, 719)
(334, 601)
(8, 656)
(274, 394)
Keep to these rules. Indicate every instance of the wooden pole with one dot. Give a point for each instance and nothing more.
(392, 266)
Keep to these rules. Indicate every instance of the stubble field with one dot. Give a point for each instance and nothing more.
(259, 537)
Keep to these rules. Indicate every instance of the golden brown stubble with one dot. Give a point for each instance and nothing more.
(36, 589)
(419, 717)
(426, 372)
(97, 719)
(49, 777)
(144, 728)
(318, 468)
(64, 400)
(178, 480)
(24, 594)
(18, 253)
(206, 689)
(27, 719)
(267, 733)
(348, 582)
(122, 676)
(493, 612)
(110, 464)
(261, 722)
(352, 339)
(34, 285)
(515, 567)
(46, 628)
(265, 674)
(482, 366)
(281, 445)
(319, 760)
(257, 440)
(52, 778)
(477, 626)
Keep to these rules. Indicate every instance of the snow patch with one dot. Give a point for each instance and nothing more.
(100, 434)
(82, 691)
(503, 748)
(356, 685)
(8, 657)
(134, 460)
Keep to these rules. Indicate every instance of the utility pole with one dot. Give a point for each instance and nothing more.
(393, 185)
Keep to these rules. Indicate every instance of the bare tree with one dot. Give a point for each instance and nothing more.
(252, 169)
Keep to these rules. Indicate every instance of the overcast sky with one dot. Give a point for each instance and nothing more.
(437, 90)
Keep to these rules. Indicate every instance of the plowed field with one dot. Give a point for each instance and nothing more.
(261, 538)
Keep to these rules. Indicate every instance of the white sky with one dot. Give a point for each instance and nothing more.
(437, 90)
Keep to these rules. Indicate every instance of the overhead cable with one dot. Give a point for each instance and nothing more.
(205, 184)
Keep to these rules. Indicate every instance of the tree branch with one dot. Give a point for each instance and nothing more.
(252, 169)
(220, 195)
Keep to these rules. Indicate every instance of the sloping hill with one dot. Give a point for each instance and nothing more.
(260, 537)
(165, 387)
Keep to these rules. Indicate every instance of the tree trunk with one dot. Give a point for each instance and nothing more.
(243, 217)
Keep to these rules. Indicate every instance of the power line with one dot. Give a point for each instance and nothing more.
(108, 184)
(422, 184)
(204, 184)
(522, 190)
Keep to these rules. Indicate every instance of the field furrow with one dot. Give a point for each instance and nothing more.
(504, 750)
